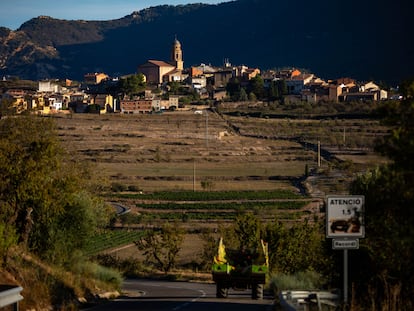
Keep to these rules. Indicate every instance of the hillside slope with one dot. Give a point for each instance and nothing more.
(365, 40)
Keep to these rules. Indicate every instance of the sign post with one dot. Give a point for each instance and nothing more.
(345, 225)
(345, 277)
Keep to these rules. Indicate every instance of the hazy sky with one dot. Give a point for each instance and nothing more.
(13, 13)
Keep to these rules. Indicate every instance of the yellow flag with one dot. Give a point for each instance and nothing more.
(221, 254)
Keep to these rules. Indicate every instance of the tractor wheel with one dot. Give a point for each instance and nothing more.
(222, 291)
(257, 291)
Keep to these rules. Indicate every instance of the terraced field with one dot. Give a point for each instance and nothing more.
(197, 210)
(200, 171)
(182, 151)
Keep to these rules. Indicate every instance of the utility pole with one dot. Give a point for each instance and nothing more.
(344, 136)
(194, 176)
(319, 153)
(206, 128)
(346, 278)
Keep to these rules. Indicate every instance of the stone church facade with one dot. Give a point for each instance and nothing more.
(158, 71)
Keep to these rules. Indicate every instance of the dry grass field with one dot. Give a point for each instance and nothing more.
(179, 150)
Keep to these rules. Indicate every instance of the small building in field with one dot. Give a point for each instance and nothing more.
(105, 102)
(136, 106)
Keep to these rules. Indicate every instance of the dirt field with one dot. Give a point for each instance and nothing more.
(190, 250)
(179, 150)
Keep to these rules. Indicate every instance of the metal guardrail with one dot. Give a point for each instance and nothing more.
(10, 295)
(309, 300)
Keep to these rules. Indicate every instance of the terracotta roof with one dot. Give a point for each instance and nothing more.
(160, 63)
(303, 76)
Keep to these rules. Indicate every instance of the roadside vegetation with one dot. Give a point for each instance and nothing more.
(48, 214)
(384, 265)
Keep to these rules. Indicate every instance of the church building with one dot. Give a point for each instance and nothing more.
(158, 71)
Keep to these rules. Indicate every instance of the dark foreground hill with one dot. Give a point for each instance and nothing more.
(363, 39)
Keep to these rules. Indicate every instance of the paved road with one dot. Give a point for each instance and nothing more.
(119, 208)
(146, 295)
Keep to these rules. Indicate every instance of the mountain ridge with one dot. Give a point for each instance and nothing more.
(369, 40)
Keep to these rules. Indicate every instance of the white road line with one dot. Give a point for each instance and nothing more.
(186, 304)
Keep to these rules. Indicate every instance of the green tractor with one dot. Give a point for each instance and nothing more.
(241, 269)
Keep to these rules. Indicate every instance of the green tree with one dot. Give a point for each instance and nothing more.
(74, 228)
(276, 90)
(39, 188)
(233, 89)
(29, 162)
(174, 87)
(252, 97)
(209, 250)
(247, 230)
(282, 87)
(273, 91)
(243, 95)
(407, 89)
(133, 84)
(207, 184)
(387, 268)
(288, 252)
(6, 107)
(274, 234)
(8, 238)
(399, 145)
(234, 236)
(256, 86)
(385, 263)
(161, 247)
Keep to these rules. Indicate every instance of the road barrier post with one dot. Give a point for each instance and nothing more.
(10, 295)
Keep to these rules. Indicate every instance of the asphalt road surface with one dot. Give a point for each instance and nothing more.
(145, 295)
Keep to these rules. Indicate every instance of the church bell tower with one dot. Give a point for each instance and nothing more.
(177, 55)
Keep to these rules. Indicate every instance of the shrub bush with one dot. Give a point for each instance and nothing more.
(298, 281)
(118, 187)
(105, 274)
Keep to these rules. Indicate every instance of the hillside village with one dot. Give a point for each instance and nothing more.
(99, 93)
